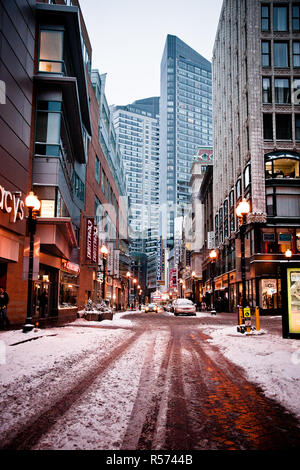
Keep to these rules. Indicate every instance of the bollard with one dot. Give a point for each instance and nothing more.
(257, 318)
(240, 315)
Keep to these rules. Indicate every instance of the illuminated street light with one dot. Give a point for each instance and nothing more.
(213, 256)
(33, 205)
(288, 254)
(128, 275)
(242, 211)
(104, 251)
(194, 292)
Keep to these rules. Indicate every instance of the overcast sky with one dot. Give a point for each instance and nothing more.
(128, 38)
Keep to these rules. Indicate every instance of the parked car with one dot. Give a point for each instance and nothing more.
(151, 308)
(184, 307)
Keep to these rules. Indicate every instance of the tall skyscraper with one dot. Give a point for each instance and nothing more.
(185, 124)
(137, 128)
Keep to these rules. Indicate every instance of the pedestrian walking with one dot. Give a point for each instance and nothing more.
(4, 300)
(43, 303)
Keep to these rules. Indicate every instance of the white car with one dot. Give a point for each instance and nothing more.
(184, 307)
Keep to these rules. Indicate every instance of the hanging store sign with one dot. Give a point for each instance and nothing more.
(89, 238)
(68, 266)
(11, 204)
(92, 241)
(293, 281)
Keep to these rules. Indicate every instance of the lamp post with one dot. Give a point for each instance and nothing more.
(33, 205)
(134, 286)
(128, 286)
(242, 211)
(181, 290)
(213, 256)
(104, 252)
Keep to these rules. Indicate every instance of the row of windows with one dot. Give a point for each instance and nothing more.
(281, 19)
(194, 69)
(283, 126)
(281, 54)
(103, 181)
(284, 90)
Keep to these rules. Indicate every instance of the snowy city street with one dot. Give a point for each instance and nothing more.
(150, 381)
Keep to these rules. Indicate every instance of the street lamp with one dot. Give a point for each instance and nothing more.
(288, 254)
(33, 205)
(104, 252)
(128, 279)
(181, 285)
(242, 211)
(134, 286)
(193, 277)
(213, 256)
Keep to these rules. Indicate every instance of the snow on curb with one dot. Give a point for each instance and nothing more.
(269, 361)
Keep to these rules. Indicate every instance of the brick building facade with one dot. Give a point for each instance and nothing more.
(256, 146)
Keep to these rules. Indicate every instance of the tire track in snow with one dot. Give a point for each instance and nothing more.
(148, 410)
(30, 434)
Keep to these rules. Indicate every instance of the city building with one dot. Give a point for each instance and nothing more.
(194, 235)
(57, 140)
(256, 83)
(137, 129)
(105, 209)
(185, 124)
(16, 110)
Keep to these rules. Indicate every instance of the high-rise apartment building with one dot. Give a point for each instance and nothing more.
(256, 80)
(137, 128)
(185, 124)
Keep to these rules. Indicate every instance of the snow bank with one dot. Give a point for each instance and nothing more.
(268, 360)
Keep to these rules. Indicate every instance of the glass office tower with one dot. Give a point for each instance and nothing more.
(137, 128)
(185, 124)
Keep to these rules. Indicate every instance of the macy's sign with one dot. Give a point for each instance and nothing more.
(11, 204)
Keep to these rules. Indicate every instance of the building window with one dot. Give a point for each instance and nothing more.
(297, 127)
(265, 18)
(265, 54)
(296, 54)
(238, 188)
(266, 90)
(231, 198)
(97, 170)
(247, 176)
(48, 124)
(282, 167)
(296, 17)
(283, 127)
(296, 91)
(280, 18)
(282, 91)
(78, 187)
(281, 54)
(51, 51)
(268, 126)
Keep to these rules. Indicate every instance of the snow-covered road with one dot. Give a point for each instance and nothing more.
(91, 386)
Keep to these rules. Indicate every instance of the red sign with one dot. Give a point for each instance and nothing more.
(95, 245)
(89, 238)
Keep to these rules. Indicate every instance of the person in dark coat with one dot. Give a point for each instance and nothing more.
(4, 300)
(43, 303)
